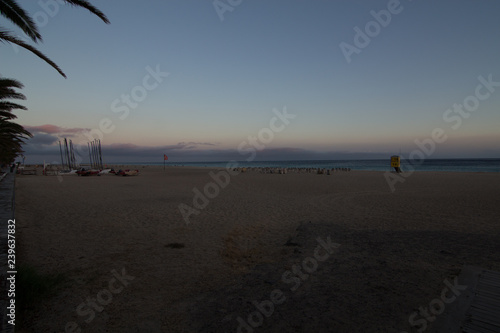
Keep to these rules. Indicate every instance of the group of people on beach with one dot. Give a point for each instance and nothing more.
(284, 171)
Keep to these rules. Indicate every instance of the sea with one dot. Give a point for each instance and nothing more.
(446, 165)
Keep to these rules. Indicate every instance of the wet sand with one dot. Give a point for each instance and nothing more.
(133, 264)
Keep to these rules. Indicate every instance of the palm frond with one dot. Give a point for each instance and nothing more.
(5, 82)
(12, 11)
(9, 106)
(7, 115)
(10, 128)
(5, 36)
(12, 136)
(10, 93)
(87, 5)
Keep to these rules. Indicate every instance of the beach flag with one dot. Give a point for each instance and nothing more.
(165, 157)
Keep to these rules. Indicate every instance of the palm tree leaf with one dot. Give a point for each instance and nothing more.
(7, 115)
(5, 82)
(10, 93)
(5, 36)
(12, 11)
(87, 5)
(16, 130)
(12, 136)
(9, 106)
(7, 89)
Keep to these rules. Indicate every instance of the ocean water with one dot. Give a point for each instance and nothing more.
(456, 165)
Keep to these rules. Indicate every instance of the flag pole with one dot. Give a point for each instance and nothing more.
(163, 162)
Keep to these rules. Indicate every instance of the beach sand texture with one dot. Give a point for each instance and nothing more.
(396, 248)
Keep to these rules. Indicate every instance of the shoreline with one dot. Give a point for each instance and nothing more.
(252, 168)
(429, 165)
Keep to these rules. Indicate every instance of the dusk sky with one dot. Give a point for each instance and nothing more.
(364, 79)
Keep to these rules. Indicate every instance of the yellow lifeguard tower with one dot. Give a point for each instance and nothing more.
(396, 163)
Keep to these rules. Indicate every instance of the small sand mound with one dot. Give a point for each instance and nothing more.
(245, 247)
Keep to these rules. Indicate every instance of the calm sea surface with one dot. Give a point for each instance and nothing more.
(461, 165)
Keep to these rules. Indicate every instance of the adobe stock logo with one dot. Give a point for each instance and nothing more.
(372, 29)
(103, 298)
(211, 190)
(122, 107)
(222, 6)
(295, 277)
(449, 294)
(49, 9)
(454, 116)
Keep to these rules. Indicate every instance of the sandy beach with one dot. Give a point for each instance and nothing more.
(124, 246)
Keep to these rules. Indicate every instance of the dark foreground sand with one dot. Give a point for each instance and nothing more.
(134, 265)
